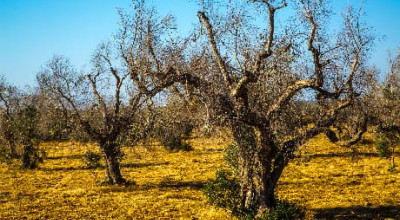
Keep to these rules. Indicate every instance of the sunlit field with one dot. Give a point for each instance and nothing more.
(330, 181)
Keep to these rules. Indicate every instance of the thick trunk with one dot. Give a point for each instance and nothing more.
(255, 160)
(113, 172)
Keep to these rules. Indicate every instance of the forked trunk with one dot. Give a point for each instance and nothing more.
(255, 160)
(111, 153)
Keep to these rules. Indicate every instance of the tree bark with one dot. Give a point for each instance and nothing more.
(113, 173)
(255, 160)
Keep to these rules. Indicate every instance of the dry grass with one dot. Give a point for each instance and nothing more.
(337, 183)
(168, 185)
(326, 179)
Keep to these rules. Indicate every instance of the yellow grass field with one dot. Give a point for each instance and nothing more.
(331, 182)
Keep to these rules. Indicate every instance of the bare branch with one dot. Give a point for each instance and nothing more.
(211, 37)
(289, 93)
(96, 93)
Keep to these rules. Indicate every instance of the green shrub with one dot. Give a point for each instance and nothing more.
(382, 146)
(285, 210)
(92, 159)
(224, 192)
(231, 156)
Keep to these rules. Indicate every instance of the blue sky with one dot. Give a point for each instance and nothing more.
(32, 31)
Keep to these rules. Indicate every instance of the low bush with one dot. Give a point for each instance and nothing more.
(382, 146)
(224, 192)
(285, 210)
(231, 156)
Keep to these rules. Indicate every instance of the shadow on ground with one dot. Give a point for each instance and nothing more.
(347, 154)
(78, 156)
(358, 212)
(139, 165)
(164, 185)
(130, 165)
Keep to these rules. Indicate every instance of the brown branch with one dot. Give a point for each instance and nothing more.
(289, 93)
(270, 39)
(246, 79)
(316, 53)
(211, 38)
(100, 100)
(289, 147)
(150, 46)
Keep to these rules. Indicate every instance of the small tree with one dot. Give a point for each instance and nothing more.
(19, 125)
(384, 105)
(10, 100)
(28, 131)
(126, 74)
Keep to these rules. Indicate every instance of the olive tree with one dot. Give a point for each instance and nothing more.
(267, 77)
(10, 99)
(19, 125)
(126, 74)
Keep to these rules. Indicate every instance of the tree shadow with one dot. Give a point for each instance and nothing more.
(129, 165)
(347, 154)
(55, 169)
(139, 165)
(77, 156)
(359, 212)
(181, 184)
(164, 185)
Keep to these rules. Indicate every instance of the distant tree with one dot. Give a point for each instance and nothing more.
(27, 123)
(10, 102)
(19, 125)
(56, 123)
(383, 106)
(172, 124)
(126, 74)
(387, 98)
(266, 81)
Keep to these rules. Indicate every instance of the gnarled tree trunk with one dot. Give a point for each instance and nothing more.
(111, 153)
(255, 153)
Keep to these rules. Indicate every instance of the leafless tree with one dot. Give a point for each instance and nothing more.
(266, 80)
(127, 73)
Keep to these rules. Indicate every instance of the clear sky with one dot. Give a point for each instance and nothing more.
(32, 31)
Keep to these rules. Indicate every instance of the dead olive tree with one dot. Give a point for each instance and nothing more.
(126, 74)
(264, 80)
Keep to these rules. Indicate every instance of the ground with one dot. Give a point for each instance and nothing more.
(330, 181)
